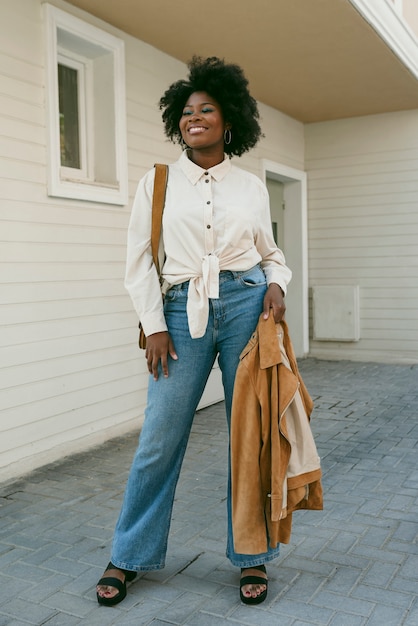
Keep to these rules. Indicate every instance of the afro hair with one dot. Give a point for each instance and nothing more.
(227, 84)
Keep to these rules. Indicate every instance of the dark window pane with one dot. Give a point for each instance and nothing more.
(69, 116)
(274, 225)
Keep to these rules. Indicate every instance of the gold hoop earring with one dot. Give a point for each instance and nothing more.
(227, 136)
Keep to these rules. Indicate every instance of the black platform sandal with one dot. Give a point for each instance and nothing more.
(110, 581)
(253, 580)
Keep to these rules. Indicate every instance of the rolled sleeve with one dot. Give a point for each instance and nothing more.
(141, 277)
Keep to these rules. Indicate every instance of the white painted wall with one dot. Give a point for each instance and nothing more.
(410, 13)
(363, 228)
(71, 375)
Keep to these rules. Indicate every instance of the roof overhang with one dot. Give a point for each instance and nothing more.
(314, 60)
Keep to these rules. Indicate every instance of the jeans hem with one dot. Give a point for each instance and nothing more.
(253, 561)
(137, 568)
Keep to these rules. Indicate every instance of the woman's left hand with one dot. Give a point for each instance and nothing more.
(274, 299)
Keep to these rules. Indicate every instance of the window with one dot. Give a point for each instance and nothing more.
(86, 111)
(71, 117)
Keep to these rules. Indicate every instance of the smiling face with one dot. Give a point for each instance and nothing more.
(202, 125)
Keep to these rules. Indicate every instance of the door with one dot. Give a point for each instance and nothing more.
(288, 206)
(276, 190)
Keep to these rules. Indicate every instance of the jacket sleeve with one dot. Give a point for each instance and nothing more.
(248, 519)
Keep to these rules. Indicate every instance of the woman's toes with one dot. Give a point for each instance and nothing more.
(254, 590)
(106, 591)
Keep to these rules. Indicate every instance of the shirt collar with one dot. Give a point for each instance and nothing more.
(194, 172)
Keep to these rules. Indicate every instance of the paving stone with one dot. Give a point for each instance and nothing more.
(407, 585)
(138, 615)
(79, 550)
(254, 616)
(378, 554)
(302, 610)
(223, 603)
(182, 608)
(326, 563)
(69, 604)
(206, 619)
(342, 580)
(411, 618)
(149, 589)
(10, 588)
(195, 585)
(381, 596)
(64, 620)
(380, 574)
(37, 593)
(41, 555)
(27, 611)
(14, 622)
(343, 619)
(303, 585)
(24, 572)
(406, 531)
(302, 622)
(157, 622)
(341, 601)
(24, 540)
(387, 616)
(410, 569)
(63, 566)
(375, 537)
(11, 555)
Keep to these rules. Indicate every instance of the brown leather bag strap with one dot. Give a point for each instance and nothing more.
(158, 200)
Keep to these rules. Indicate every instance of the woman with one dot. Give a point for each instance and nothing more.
(222, 268)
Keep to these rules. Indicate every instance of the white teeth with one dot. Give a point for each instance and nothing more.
(196, 129)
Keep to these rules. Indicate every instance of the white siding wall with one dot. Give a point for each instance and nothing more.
(410, 13)
(363, 228)
(71, 375)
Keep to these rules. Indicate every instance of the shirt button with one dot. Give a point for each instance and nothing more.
(208, 226)
(207, 180)
(206, 173)
(208, 202)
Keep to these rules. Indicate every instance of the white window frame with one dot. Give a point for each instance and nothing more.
(77, 43)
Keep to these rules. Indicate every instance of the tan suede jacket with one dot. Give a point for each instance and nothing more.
(274, 463)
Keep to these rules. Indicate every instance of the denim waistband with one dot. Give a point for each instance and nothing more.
(224, 275)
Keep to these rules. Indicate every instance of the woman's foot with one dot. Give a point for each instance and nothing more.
(111, 588)
(253, 584)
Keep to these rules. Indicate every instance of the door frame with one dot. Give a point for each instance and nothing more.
(296, 249)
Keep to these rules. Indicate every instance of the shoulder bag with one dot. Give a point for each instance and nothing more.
(158, 200)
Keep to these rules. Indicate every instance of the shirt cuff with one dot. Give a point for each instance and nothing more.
(273, 277)
(153, 323)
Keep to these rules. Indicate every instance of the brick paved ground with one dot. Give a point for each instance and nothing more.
(354, 564)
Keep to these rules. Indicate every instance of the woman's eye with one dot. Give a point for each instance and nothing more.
(204, 110)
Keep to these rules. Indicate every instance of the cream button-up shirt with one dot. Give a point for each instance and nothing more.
(216, 219)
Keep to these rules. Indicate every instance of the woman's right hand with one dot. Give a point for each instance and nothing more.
(159, 346)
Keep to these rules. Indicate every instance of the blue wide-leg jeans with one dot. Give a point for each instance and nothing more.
(141, 534)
